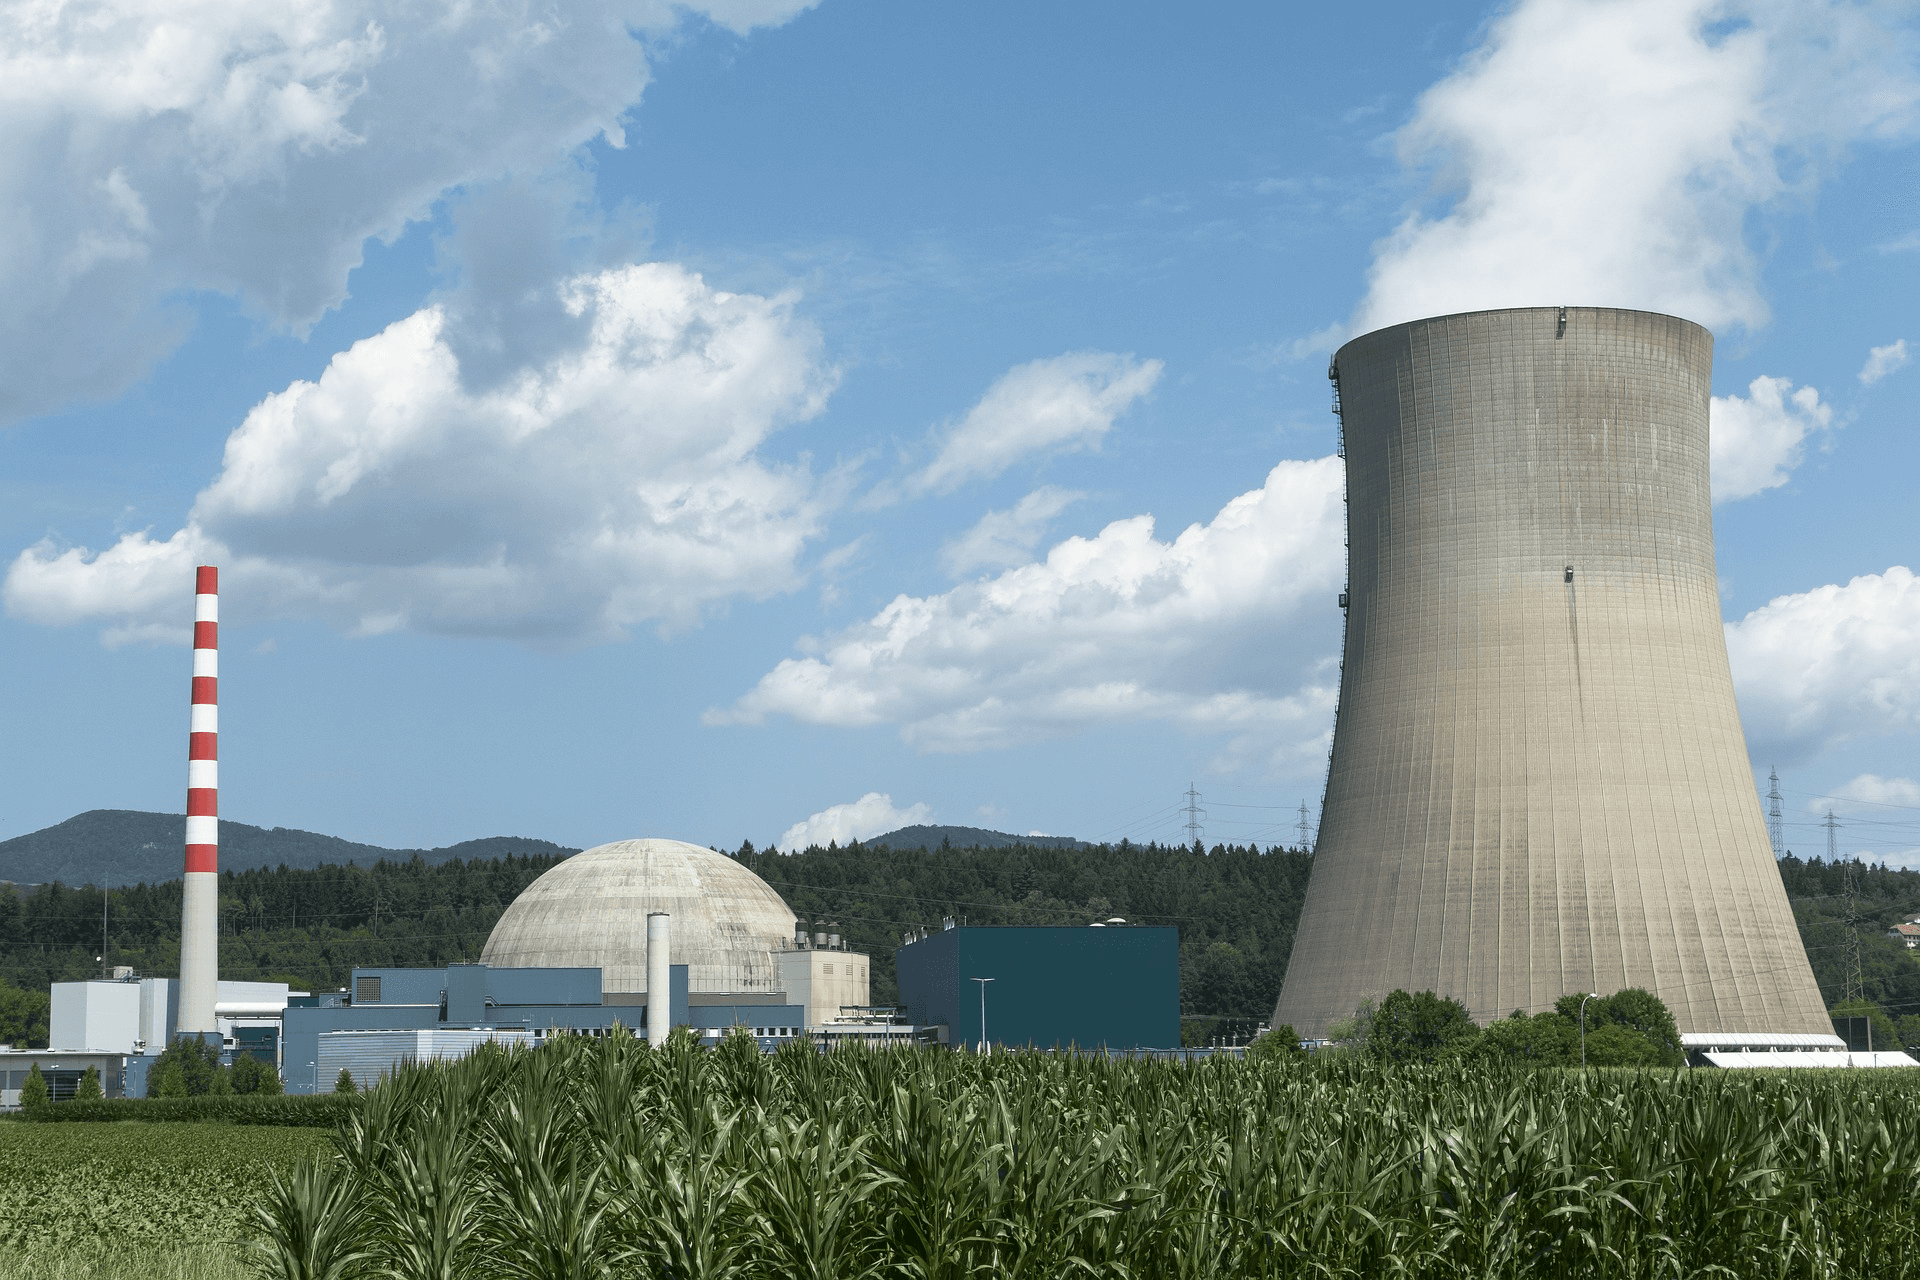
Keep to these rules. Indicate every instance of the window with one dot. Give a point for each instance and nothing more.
(826, 968)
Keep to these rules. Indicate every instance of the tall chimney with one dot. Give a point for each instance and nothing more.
(659, 978)
(199, 921)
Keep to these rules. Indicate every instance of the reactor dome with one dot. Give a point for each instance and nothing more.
(591, 911)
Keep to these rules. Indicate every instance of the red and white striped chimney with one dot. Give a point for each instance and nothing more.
(199, 907)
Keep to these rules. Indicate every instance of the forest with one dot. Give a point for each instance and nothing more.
(1235, 907)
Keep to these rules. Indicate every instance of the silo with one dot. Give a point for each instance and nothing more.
(1539, 783)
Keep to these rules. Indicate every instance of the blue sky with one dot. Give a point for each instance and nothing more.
(755, 420)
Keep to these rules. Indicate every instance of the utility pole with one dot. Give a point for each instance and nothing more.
(1855, 987)
(1194, 814)
(983, 1011)
(1776, 825)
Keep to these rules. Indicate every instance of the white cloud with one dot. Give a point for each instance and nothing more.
(1224, 629)
(1882, 361)
(1828, 665)
(1869, 794)
(614, 483)
(871, 815)
(1003, 538)
(1755, 443)
(1608, 152)
(1060, 404)
(252, 149)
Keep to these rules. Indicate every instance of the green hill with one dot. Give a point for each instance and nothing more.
(116, 847)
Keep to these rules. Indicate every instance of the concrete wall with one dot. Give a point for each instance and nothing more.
(94, 1015)
(1539, 785)
(823, 982)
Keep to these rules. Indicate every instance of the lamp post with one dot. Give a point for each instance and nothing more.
(983, 1011)
(1583, 1027)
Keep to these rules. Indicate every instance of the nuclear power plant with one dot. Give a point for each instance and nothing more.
(1538, 782)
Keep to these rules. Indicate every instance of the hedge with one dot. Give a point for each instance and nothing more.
(320, 1111)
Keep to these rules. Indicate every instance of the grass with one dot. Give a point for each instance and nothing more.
(131, 1199)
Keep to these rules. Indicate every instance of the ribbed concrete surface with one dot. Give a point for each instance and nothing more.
(592, 910)
(1537, 786)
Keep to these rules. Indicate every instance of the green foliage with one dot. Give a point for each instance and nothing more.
(603, 1157)
(1638, 1011)
(1614, 1044)
(33, 1092)
(1885, 1034)
(1544, 1040)
(23, 1014)
(189, 1065)
(250, 1075)
(343, 1083)
(74, 1188)
(1420, 1027)
(1282, 1044)
(89, 1087)
(312, 1111)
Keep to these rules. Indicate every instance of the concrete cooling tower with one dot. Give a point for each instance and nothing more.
(1539, 783)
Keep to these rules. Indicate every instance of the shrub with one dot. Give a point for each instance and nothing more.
(251, 1075)
(344, 1083)
(1615, 1044)
(1421, 1027)
(1545, 1040)
(320, 1111)
(190, 1064)
(89, 1087)
(33, 1093)
(1282, 1044)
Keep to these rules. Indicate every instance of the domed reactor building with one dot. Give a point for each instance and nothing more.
(1539, 783)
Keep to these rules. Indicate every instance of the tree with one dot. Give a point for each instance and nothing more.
(344, 1082)
(1615, 1044)
(1634, 1008)
(1545, 1040)
(33, 1093)
(1282, 1044)
(253, 1076)
(1422, 1027)
(1885, 1034)
(23, 1016)
(89, 1087)
(196, 1065)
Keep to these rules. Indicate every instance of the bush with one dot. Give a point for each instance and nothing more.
(1421, 1027)
(251, 1075)
(321, 1111)
(1636, 1009)
(1545, 1040)
(33, 1093)
(1282, 1044)
(344, 1083)
(1617, 1045)
(187, 1068)
(89, 1087)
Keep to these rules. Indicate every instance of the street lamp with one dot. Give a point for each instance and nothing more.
(983, 1011)
(1583, 1027)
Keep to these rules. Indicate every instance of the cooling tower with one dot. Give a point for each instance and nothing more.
(1539, 783)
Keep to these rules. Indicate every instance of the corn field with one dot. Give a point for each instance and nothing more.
(606, 1158)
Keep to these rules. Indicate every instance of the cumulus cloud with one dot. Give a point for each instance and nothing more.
(1755, 443)
(1608, 152)
(614, 483)
(1869, 794)
(1828, 665)
(873, 814)
(1223, 629)
(252, 149)
(1065, 403)
(1002, 538)
(1882, 361)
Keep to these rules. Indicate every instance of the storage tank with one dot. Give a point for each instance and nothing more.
(1539, 784)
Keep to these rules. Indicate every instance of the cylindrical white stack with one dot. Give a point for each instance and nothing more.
(659, 978)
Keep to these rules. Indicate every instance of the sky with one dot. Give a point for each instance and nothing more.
(784, 421)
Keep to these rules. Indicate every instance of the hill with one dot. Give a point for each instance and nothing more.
(120, 847)
(925, 837)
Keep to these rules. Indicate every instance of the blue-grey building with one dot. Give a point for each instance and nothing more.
(1114, 987)
(392, 1015)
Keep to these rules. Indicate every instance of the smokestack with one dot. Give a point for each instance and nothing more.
(659, 978)
(199, 923)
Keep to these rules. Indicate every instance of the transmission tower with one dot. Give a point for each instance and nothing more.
(1776, 825)
(1306, 831)
(1854, 986)
(1194, 815)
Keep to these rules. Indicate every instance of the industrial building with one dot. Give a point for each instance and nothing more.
(1112, 987)
(1539, 783)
